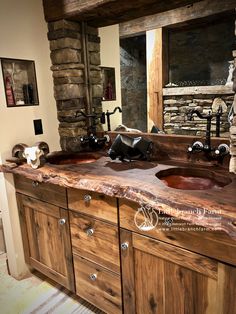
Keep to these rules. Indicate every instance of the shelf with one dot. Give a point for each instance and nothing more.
(20, 82)
(197, 90)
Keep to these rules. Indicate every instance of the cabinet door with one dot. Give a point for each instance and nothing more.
(46, 239)
(164, 279)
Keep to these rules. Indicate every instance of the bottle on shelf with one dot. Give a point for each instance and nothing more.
(9, 92)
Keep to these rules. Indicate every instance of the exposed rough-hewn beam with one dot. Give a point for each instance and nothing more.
(186, 13)
(106, 12)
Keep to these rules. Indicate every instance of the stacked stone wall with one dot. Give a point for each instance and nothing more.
(232, 166)
(176, 109)
(68, 67)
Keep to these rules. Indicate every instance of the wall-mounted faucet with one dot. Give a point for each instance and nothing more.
(208, 117)
(91, 139)
(108, 114)
(198, 146)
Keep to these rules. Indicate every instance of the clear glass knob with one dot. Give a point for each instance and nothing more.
(87, 198)
(124, 246)
(35, 184)
(61, 221)
(93, 277)
(90, 232)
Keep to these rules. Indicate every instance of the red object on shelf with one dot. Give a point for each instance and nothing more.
(9, 92)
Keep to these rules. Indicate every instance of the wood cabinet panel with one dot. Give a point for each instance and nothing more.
(95, 240)
(160, 284)
(214, 244)
(176, 255)
(50, 193)
(46, 239)
(94, 204)
(98, 285)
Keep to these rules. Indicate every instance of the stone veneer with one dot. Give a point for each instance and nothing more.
(232, 166)
(176, 108)
(69, 78)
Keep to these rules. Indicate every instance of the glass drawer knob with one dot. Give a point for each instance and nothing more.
(90, 232)
(87, 198)
(62, 221)
(35, 184)
(124, 246)
(93, 277)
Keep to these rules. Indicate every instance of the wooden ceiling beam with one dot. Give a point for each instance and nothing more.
(176, 16)
(100, 13)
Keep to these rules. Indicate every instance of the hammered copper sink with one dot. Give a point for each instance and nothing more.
(192, 179)
(63, 158)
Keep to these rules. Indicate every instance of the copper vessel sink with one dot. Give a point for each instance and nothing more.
(192, 179)
(62, 158)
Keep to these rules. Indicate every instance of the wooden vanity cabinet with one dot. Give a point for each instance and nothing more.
(161, 278)
(95, 247)
(45, 232)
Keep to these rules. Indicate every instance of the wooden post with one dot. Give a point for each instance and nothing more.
(156, 76)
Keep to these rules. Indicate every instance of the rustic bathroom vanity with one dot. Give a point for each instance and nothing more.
(80, 228)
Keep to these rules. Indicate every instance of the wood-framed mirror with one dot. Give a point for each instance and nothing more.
(188, 65)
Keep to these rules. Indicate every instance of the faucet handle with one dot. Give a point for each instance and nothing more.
(196, 146)
(223, 149)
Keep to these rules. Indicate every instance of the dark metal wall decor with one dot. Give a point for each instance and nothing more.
(19, 82)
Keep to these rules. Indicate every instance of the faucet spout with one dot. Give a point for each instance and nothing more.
(208, 117)
(108, 114)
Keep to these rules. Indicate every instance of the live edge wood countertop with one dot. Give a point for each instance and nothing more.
(137, 181)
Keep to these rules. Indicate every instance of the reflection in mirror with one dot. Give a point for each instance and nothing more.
(109, 84)
(197, 62)
(134, 82)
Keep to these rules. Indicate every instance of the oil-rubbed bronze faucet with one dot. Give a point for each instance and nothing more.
(198, 146)
(91, 139)
(207, 145)
(108, 114)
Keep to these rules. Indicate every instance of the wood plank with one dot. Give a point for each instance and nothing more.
(42, 207)
(154, 78)
(226, 289)
(51, 193)
(178, 256)
(100, 206)
(104, 292)
(106, 12)
(101, 247)
(194, 11)
(49, 272)
(66, 240)
(215, 244)
(149, 284)
(196, 90)
(189, 292)
(47, 245)
(23, 225)
(127, 266)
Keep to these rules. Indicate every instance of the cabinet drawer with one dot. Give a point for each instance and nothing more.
(97, 285)
(94, 204)
(50, 193)
(95, 240)
(214, 244)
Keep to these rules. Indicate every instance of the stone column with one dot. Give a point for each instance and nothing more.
(232, 165)
(69, 80)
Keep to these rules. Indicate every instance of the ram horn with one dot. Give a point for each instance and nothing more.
(18, 150)
(43, 146)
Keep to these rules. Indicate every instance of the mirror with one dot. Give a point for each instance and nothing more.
(196, 66)
(109, 83)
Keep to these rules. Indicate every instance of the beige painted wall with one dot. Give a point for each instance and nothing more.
(23, 35)
(110, 57)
